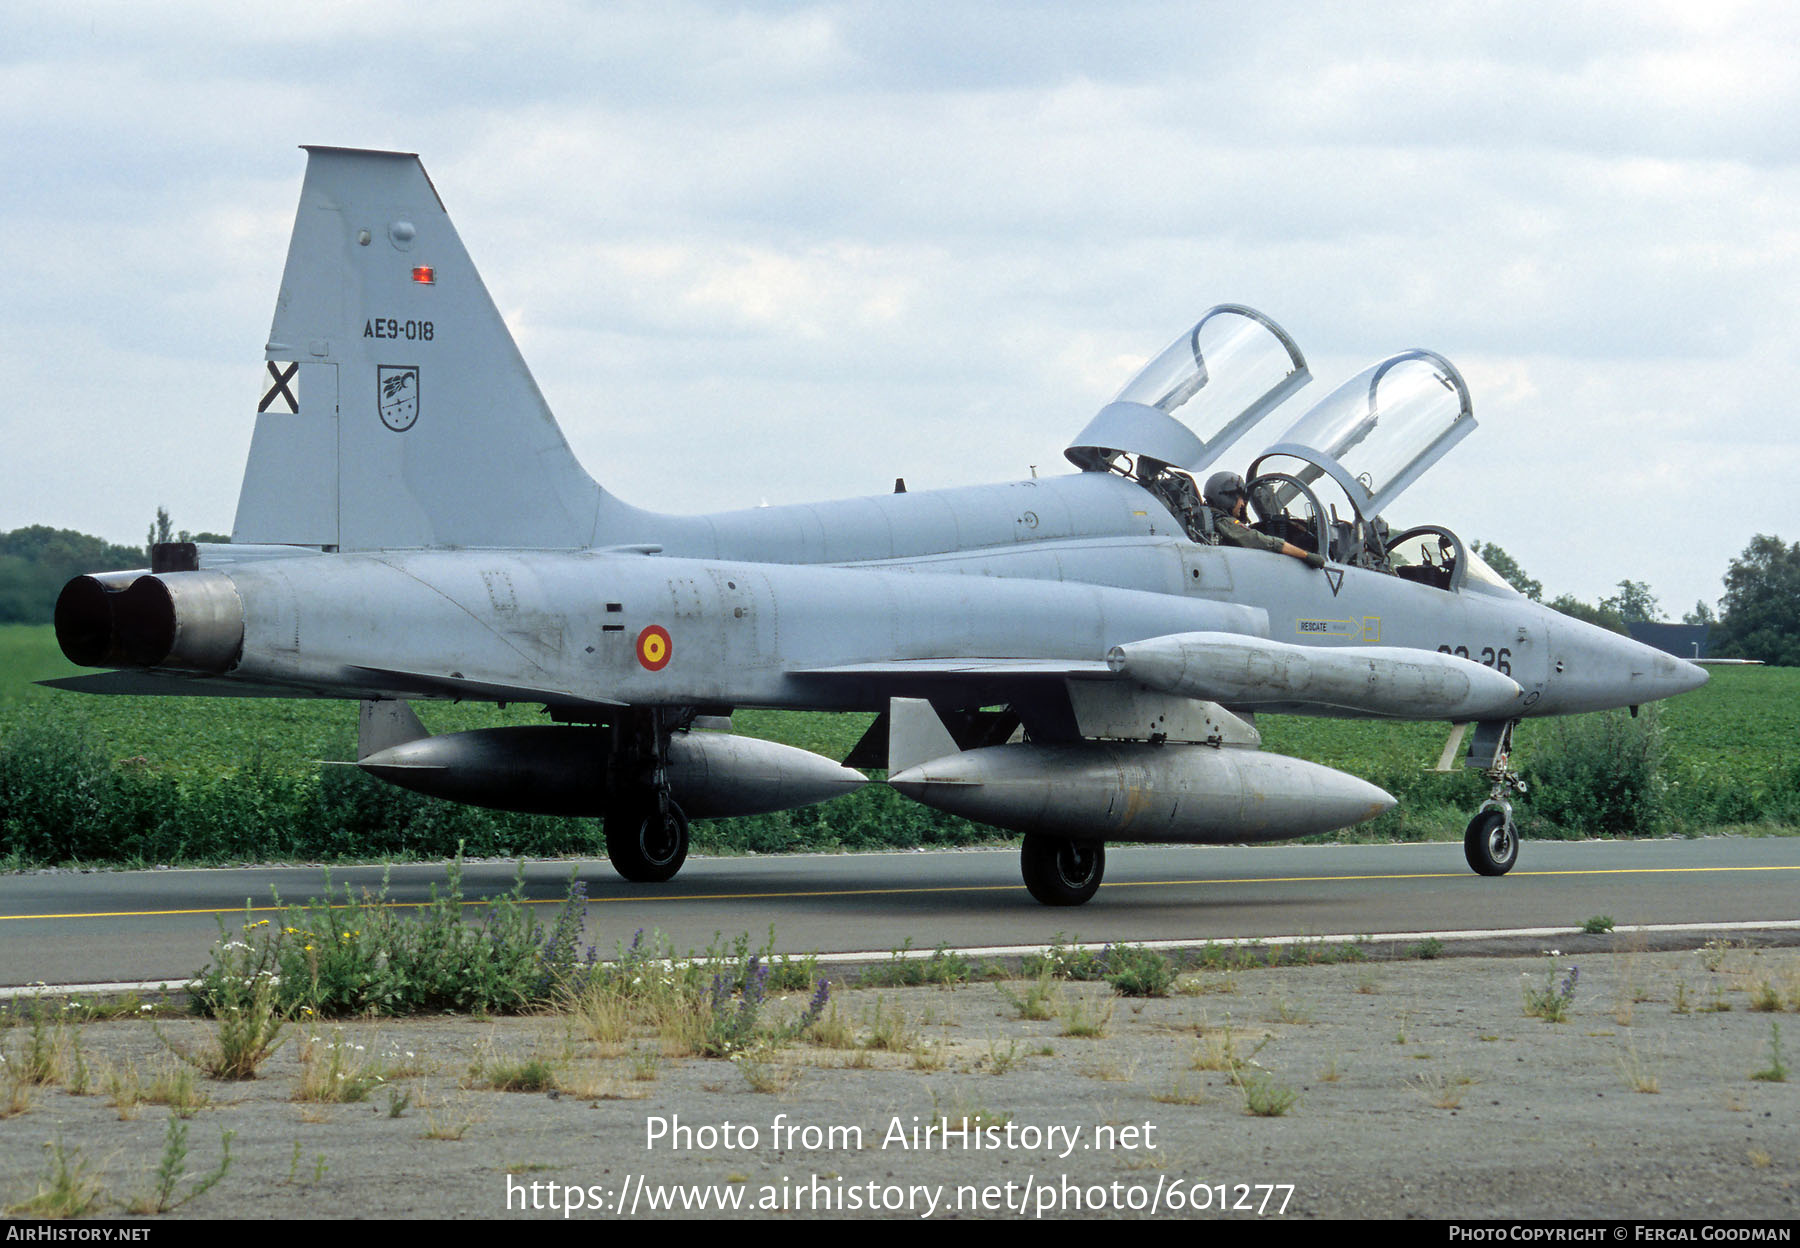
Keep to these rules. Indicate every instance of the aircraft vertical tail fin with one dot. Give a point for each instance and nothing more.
(396, 410)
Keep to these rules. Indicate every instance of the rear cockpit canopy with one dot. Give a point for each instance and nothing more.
(1188, 404)
(1378, 432)
(1371, 438)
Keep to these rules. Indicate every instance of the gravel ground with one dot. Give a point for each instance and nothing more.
(1419, 1089)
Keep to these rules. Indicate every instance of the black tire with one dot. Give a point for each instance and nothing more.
(1060, 872)
(644, 846)
(1491, 844)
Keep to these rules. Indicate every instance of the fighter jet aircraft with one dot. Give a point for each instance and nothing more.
(1079, 658)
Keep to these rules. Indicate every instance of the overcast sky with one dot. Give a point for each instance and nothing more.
(790, 252)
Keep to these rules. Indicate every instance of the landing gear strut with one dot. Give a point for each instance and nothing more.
(646, 832)
(1491, 842)
(1059, 872)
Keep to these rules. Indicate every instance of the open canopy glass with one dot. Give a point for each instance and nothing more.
(1378, 432)
(1198, 396)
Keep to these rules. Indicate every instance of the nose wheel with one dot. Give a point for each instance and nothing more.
(1491, 843)
(1059, 872)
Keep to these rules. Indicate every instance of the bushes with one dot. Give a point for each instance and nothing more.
(62, 800)
(343, 955)
(875, 817)
(1611, 775)
(1599, 775)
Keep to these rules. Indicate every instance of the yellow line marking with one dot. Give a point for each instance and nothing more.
(898, 892)
(1448, 875)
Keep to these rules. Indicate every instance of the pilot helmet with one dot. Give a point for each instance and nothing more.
(1223, 489)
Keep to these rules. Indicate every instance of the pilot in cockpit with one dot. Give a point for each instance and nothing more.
(1229, 499)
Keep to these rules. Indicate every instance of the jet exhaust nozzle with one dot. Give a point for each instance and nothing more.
(192, 621)
(84, 618)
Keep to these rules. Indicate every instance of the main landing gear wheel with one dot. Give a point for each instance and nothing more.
(647, 841)
(1492, 843)
(1059, 872)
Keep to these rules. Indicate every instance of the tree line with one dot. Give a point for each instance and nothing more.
(36, 561)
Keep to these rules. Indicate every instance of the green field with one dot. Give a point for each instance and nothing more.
(215, 779)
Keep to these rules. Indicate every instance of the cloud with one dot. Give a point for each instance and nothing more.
(828, 244)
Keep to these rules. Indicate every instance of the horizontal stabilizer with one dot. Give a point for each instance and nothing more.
(140, 683)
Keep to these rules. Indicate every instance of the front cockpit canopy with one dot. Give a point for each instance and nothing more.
(1204, 392)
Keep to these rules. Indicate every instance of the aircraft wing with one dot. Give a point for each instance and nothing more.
(457, 687)
(379, 683)
(950, 669)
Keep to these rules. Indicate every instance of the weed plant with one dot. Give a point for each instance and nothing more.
(335, 1072)
(1637, 1073)
(890, 1030)
(528, 1074)
(1041, 999)
(176, 1087)
(763, 1075)
(172, 1169)
(67, 1190)
(250, 1024)
(1550, 1001)
(1776, 1071)
(1134, 971)
(1087, 1020)
(1264, 1096)
(1001, 1060)
(1442, 1091)
(712, 1005)
(942, 967)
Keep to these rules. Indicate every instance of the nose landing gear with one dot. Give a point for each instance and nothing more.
(1491, 841)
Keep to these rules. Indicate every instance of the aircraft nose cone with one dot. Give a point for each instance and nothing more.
(1667, 676)
(1690, 676)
